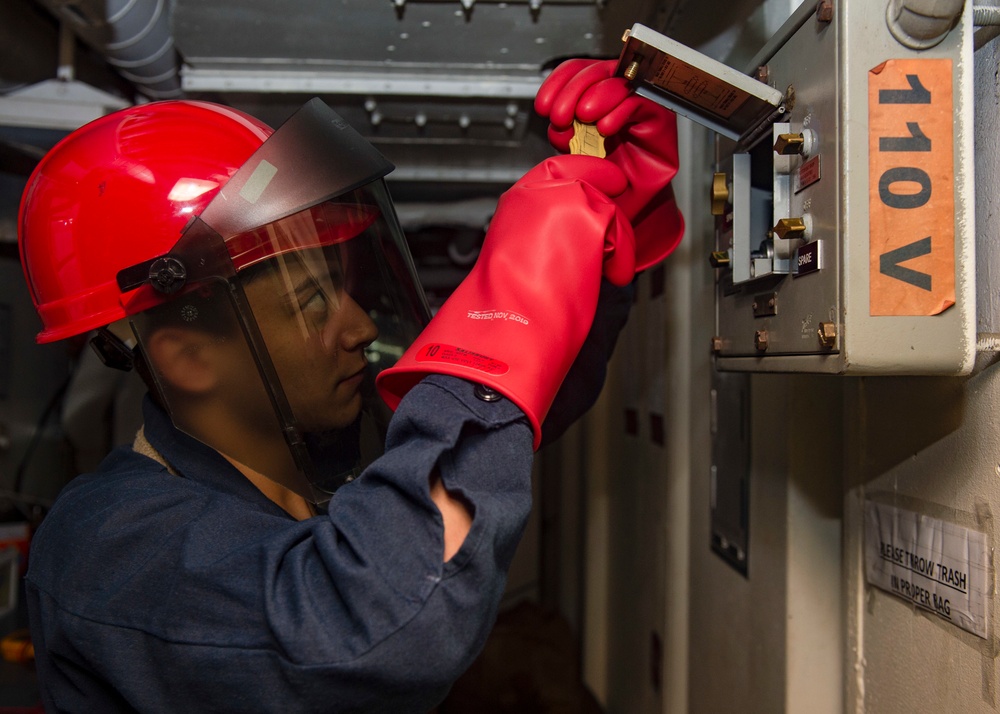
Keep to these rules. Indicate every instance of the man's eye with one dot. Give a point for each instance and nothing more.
(315, 300)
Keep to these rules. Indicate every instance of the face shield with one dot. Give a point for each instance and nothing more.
(265, 325)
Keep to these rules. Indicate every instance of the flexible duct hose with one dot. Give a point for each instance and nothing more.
(133, 35)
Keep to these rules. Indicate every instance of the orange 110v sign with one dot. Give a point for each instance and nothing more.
(911, 187)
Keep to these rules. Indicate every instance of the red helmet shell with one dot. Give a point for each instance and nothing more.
(119, 191)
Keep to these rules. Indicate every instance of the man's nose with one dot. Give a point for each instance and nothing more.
(350, 328)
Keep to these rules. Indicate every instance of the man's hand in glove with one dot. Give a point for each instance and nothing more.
(517, 321)
(641, 139)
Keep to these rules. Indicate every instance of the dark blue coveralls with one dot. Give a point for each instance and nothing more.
(154, 592)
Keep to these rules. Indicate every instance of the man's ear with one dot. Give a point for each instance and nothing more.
(184, 359)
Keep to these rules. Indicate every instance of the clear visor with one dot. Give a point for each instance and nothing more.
(273, 365)
(265, 325)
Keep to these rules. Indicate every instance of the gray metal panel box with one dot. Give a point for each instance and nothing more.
(845, 234)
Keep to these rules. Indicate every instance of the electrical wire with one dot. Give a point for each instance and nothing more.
(51, 408)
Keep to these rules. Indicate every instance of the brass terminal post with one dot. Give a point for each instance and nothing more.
(790, 228)
(787, 144)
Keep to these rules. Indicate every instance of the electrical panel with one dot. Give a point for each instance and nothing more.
(842, 190)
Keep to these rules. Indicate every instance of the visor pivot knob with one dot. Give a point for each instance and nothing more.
(167, 275)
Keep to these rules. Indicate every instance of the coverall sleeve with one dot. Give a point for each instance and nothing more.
(186, 602)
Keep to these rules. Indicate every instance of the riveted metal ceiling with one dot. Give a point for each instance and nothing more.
(443, 88)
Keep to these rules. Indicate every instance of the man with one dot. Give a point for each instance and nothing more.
(273, 541)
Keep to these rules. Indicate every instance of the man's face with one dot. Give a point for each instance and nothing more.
(315, 334)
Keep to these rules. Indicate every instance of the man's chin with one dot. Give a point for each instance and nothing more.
(343, 418)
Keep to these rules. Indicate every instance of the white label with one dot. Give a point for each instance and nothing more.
(938, 566)
(258, 181)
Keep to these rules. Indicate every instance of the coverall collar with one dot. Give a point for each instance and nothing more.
(195, 461)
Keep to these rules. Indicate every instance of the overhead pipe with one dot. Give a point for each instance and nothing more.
(133, 35)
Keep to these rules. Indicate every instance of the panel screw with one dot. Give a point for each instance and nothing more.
(827, 334)
(824, 10)
(760, 340)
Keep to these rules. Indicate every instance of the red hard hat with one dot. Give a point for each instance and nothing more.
(119, 191)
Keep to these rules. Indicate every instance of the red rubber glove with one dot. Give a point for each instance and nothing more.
(517, 321)
(641, 139)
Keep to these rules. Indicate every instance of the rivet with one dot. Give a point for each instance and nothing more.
(486, 394)
(824, 11)
(827, 334)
